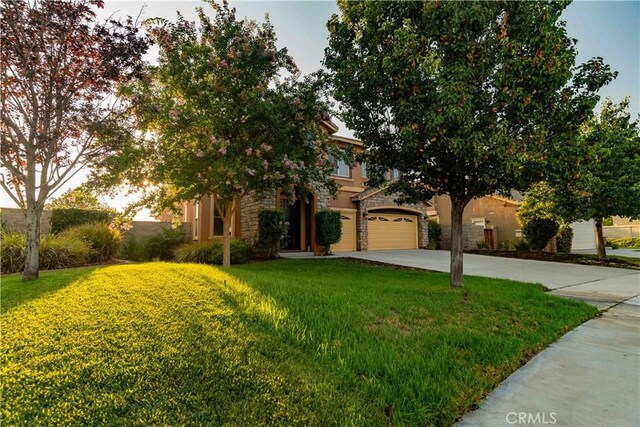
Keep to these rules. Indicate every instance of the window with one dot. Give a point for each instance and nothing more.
(218, 224)
(340, 168)
(393, 174)
(196, 219)
(363, 166)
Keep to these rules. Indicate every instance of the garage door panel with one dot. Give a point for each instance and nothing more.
(392, 231)
(348, 241)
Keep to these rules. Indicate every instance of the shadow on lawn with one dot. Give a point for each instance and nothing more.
(14, 292)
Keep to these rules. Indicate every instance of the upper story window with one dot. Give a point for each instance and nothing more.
(393, 174)
(340, 168)
(363, 167)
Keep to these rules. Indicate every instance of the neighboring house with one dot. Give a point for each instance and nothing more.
(489, 219)
(371, 220)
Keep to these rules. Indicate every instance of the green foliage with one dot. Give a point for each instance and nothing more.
(77, 198)
(64, 218)
(482, 244)
(104, 242)
(271, 229)
(163, 245)
(564, 239)
(134, 249)
(521, 244)
(505, 245)
(435, 234)
(538, 231)
(462, 98)
(210, 252)
(55, 252)
(177, 337)
(232, 69)
(607, 180)
(625, 242)
(607, 222)
(328, 228)
(407, 75)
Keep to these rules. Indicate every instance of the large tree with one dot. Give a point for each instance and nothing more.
(606, 181)
(463, 98)
(59, 68)
(223, 115)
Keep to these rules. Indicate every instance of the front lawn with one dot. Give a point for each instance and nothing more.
(305, 342)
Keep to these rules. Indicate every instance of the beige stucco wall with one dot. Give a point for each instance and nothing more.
(499, 214)
(619, 220)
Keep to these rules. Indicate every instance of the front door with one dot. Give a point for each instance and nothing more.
(292, 216)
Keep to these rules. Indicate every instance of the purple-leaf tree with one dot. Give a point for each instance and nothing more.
(60, 67)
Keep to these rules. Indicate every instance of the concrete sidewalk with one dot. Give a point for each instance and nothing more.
(591, 376)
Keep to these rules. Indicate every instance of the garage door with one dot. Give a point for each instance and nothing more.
(348, 241)
(392, 231)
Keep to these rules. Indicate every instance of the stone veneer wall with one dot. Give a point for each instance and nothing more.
(471, 235)
(249, 207)
(382, 199)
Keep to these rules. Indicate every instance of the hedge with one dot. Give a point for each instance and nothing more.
(271, 229)
(434, 231)
(538, 231)
(564, 239)
(61, 219)
(328, 228)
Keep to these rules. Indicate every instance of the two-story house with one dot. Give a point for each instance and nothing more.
(371, 220)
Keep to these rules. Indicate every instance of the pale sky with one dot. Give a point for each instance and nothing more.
(603, 28)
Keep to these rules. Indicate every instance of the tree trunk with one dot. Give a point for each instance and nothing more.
(602, 253)
(226, 250)
(457, 209)
(226, 212)
(32, 253)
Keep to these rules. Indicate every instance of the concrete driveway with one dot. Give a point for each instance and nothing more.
(591, 376)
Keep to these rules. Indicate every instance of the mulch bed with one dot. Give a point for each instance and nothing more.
(613, 261)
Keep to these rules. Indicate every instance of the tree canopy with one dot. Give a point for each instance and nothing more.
(60, 68)
(224, 114)
(463, 98)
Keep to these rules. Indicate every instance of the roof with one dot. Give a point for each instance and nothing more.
(347, 140)
(372, 191)
(332, 126)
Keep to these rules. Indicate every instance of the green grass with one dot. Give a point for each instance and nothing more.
(288, 342)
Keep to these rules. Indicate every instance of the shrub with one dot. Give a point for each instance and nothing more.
(163, 245)
(434, 231)
(505, 245)
(521, 245)
(482, 244)
(328, 228)
(564, 238)
(271, 229)
(55, 252)
(104, 242)
(210, 252)
(135, 250)
(538, 231)
(61, 219)
(625, 242)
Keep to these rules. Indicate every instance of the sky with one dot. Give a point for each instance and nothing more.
(609, 29)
